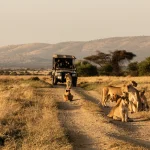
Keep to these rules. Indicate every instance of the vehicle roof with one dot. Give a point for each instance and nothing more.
(63, 56)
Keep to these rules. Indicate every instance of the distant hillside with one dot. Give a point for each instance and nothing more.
(39, 55)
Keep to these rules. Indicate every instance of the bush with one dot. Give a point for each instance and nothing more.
(1, 72)
(13, 73)
(86, 69)
(34, 78)
(133, 69)
(106, 70)
(6, 73)
(144, 67)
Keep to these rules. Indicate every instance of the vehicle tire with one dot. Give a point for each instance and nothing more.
(74, 83)
(52, 80)
(55, 81)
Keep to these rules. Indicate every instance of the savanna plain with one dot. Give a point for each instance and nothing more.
(33, 115)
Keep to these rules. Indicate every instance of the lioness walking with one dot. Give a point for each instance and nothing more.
(68, 81)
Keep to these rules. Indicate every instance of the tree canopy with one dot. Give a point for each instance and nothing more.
(100, 58)
(113, 58)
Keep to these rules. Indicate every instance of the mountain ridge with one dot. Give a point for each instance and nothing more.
(39, 55)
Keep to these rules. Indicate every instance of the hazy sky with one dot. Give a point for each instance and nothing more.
(53, 21)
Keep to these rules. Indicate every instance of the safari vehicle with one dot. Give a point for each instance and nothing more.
(63, 64)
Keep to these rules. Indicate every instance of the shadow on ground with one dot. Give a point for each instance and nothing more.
(76, 137)
(84, 95)
(131, 140)
(128, 127)
(67, 106)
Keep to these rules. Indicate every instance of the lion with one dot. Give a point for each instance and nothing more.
(67, 95)
(68, 80)
(135, 103)
(134, 99)
(109, 91)
(120, 110)
(145, 106)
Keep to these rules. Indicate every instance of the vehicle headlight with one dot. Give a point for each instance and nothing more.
(74, 74)
(58, 74)
(59, 77)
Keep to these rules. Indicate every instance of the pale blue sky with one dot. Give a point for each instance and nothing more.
(53, 21)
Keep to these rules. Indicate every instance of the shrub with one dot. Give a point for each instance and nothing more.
(34, 78)
(13, 73)
(133, 69)
(86, 69)
(144, 67)
(106, 70)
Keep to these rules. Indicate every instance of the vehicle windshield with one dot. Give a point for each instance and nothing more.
(60, 63)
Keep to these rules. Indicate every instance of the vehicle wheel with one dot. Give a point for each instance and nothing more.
(74, 83)
(54, 81)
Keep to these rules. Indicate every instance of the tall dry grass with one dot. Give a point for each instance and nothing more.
(97, 84)
(28, 116)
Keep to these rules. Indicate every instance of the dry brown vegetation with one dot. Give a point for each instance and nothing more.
(33, 115)
(97, 83)
(28, 116)
(136, 133)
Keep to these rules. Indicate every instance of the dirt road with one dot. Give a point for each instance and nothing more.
(92, 130)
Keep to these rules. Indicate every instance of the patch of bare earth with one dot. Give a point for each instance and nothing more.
(87, 126)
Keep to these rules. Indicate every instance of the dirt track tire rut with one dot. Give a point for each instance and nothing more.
(83, 129)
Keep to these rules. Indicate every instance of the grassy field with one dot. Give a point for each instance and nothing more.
(29, 113)
(97, 83)
(29, 116)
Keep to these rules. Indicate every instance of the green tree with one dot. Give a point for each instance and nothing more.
(1, 72)
(133, 69)
(13, 73)
(7, 72)
(114, 59)
(144, 67)
(84, 68)
(120, 57)
(106, 70)
(100, 58)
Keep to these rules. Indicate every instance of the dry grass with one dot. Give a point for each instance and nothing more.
(28, 116)
(141, 119)
(97, 83)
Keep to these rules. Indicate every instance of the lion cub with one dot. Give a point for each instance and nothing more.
(120, 111)
(68, 96)
(68, 80)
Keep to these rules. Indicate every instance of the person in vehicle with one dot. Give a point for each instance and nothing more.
(58, 64)
(67, 64)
